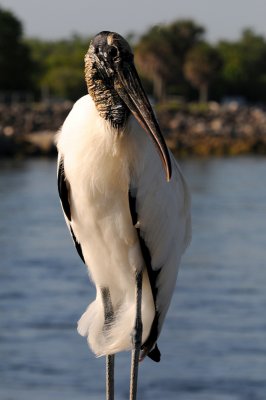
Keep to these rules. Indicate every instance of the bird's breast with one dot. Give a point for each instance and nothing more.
(97, 163)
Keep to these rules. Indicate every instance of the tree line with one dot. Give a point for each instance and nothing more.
(173, 60)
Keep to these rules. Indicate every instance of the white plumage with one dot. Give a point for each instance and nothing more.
(101, 166)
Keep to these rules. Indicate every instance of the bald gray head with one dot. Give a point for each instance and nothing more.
(116, 90)
(107, 52)
(110, 47)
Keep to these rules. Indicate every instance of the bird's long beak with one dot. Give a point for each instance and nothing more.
(128, 86)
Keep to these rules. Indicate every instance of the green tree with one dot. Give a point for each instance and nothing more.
(160, 54)
(201, 65)
(244, 66)
(15, 61)
(60, 70)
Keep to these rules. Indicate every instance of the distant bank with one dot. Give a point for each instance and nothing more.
(28, 130)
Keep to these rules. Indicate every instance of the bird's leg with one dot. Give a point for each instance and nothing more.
(137, 338)
(110, 377)
(110, 358)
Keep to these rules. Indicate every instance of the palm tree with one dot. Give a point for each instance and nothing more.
(201, 64)
(160, 53)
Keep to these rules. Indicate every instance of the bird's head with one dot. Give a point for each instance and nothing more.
(116, 89)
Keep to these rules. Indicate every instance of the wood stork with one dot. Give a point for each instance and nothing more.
(128, 211)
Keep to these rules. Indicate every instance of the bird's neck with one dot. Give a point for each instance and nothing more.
(108, 103)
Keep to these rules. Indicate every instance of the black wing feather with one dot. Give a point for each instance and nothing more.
(64, 196)
(63, 190)
(150, 343)
(77, 245)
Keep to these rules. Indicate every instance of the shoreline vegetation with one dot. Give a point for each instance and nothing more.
(190, 129)
(177, 66)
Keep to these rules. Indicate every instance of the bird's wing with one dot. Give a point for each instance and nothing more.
(160, 211)
(63, 190)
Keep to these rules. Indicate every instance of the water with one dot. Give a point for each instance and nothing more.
(213, 344)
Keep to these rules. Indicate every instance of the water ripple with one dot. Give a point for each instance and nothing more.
(213, 343)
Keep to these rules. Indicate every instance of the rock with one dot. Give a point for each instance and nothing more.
(217, 130)
(30, 129)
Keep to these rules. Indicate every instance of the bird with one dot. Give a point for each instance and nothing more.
(126, 204)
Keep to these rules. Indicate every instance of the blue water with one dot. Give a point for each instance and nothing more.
(214, 340)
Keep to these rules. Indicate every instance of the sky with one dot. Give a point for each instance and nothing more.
(57, 19)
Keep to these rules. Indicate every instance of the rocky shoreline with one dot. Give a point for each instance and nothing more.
(28, 130)
(215, 130)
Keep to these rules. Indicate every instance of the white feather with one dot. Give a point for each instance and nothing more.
(100, 166)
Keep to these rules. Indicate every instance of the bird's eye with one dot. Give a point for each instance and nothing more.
(112, 51)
